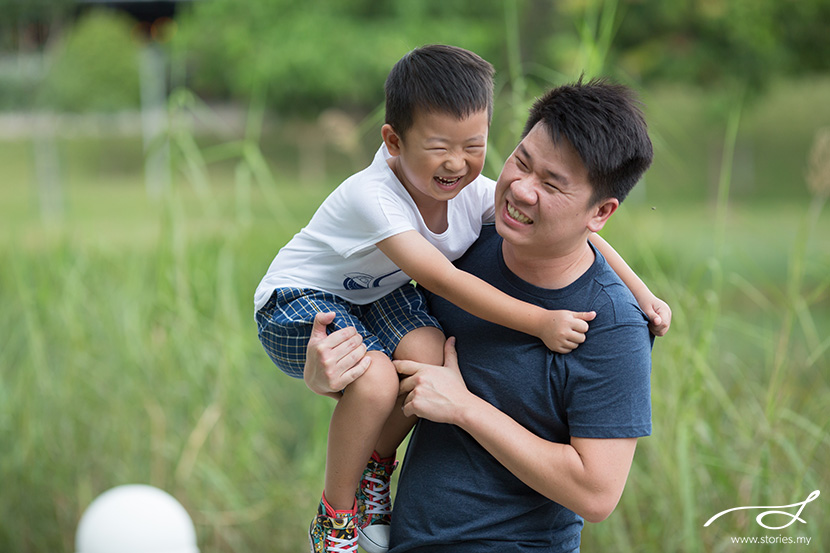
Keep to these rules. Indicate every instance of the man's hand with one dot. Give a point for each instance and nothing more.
(562, 331)
(434, 392)
(333, 361)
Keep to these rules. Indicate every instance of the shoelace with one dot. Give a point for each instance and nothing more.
(341, 545)
(380, 502)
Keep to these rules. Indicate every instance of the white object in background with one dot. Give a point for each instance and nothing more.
(135, 518)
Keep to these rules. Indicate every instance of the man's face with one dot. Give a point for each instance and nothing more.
(543, 197)
(440, 154)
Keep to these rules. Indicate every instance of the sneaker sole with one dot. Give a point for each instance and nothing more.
(367, 544)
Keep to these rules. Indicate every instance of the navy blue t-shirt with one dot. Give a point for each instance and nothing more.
(453, 496)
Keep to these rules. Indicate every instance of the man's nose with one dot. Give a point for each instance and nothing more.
(524, 190)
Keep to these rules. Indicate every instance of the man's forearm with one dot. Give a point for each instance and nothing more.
(588, 482)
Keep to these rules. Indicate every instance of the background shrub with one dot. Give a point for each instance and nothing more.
(95, 66)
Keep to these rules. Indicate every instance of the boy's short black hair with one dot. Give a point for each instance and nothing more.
(604, 124)
(438, 78)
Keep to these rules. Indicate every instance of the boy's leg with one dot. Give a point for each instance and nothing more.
(374, 501)
(284, 327)
(355, 428)
(401, 323)
(424, 345)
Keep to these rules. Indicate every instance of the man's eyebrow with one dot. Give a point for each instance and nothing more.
(554, 176)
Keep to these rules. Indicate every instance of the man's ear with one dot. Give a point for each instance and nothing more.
(392, 139)
(602, 211)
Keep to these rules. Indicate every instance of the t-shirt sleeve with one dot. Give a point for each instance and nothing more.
(608, 394)
(367, 218)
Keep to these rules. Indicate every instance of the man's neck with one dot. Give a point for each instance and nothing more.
(551, 271)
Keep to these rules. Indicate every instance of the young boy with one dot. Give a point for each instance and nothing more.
(415, 209)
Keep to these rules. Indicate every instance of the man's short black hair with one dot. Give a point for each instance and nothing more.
(604, 124)
(438, 78)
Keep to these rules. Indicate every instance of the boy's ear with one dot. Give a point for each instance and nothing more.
(392, 139)
(602, 211)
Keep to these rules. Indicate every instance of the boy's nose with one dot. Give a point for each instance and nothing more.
(454, 163)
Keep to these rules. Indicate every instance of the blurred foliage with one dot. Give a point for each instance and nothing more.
(723, 43)
(94, 67)
(321, 53)
(16, 13)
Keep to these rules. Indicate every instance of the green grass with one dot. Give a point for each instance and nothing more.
(129, 355)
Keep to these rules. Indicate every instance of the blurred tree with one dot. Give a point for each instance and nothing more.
(25, 24)
(94, 67)
(723, 43)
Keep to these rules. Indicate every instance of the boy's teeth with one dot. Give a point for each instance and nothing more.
(442, 180)
(518, 215)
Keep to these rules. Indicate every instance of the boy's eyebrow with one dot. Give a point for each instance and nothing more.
(441, 139)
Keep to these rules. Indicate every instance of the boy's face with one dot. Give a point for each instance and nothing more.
(439, 155)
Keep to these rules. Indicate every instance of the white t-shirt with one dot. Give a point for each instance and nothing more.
(336, 251)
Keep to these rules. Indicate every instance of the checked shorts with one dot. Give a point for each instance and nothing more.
(284, 323)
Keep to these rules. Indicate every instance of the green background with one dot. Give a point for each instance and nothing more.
(129, 254)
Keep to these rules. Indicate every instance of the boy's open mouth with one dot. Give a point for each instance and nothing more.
(443, 181)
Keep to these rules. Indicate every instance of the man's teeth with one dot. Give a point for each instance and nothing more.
(516, 214)
(447, 182)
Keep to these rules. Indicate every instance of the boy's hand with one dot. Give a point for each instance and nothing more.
(333, 361)
(563, 331)
(659, 315)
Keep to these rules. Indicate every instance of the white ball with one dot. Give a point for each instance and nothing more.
(135, 519)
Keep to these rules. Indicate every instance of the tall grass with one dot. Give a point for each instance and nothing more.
(142, 365)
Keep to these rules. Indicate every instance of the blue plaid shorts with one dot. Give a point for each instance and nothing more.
(284, 323)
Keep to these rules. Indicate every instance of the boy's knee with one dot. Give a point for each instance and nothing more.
(380, 381)
(424, 345)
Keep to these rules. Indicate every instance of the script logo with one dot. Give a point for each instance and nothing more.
(773, 510)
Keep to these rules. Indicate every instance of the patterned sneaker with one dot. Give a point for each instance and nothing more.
(374, 505)
(333, 531)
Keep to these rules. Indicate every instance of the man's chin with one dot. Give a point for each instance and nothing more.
(508, 233)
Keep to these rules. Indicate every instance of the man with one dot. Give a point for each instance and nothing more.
(517, 445)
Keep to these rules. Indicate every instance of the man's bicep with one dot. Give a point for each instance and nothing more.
(607, 461)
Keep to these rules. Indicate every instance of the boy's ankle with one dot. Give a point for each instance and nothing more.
(336, 513)
(383, 460)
